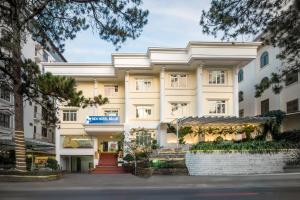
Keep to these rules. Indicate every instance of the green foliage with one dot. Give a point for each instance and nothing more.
(272, 125)
(252, 146)
(277, 21)
(28, 163)
(182, 132)
(128, 158)
(154, 145)
(289, 136)
(52, 164)
(219, 139)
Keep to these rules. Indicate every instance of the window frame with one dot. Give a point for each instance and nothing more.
(240, 75)
(217, 104)
(293, 78)
(114, 90)
(5, 95)
(143, 87)
(145, 107)
(295, 107)
(241, 96)
(180, 78)
(264, 59)
(182, 105)
(143, 138)
(5, 120)
(263, 110)
(213, 76)
(44, 132)
(243, 113)
(110, 111)
(69, 115)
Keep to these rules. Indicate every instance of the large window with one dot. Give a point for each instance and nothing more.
(291, 78)
(111, 90)
(217, 107)
(44, 132)
(178, 80)
(5, 94)
(264, 106)
(5, 120)
(241, 75)
(217, 77)
(292, 106)
(264, 59)
(143, 112)
(143, 84)
(179, 109)
(69, 115)
(111, 112)
(77, 141)
(143, 138)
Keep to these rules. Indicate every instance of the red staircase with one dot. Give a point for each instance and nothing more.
(108, 164)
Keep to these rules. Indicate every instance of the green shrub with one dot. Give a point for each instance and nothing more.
(219, 139)
(128, 158)
(290, 136)
(252, 146)
(52, 164)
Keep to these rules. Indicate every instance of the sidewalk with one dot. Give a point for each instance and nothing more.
(128, 181)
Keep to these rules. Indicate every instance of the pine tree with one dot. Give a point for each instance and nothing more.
(56, 21)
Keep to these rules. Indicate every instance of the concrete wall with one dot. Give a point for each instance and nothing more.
(222, 163)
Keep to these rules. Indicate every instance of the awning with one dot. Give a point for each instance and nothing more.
(209, 120)
(103, 128)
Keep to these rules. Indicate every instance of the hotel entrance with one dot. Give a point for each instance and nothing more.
(109, 143)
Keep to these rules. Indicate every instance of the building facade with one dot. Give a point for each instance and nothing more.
(288, 100)
(147, 91)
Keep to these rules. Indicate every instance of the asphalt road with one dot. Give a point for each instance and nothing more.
(155, 194)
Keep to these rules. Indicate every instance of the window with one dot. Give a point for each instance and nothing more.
(241, 113)
(44, 132)
(143, 85)
(217, 77)
(241, 96)
(77, 141)
(5, 120)
(111, 90)
(143, 112)
(264, 59)
(217, 107)
(178, 80)
(291, 77)
(143, 138)
(35, 112)
(5, 94)
(264, 106)
(241, 75)
(111, 112)
(34, 129)
(292, 106)
(179, 109)
(69, 115)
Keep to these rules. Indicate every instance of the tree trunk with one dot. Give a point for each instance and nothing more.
(17, 90)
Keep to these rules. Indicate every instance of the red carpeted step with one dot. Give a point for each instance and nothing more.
(108, 164)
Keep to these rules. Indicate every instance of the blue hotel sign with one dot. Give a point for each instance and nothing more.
(102, 120)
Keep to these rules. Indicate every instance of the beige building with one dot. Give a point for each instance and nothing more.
(147, 91)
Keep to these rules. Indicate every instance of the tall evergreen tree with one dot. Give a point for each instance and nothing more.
(277, 21)
(56, 21)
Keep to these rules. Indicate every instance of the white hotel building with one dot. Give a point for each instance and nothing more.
(148, 90)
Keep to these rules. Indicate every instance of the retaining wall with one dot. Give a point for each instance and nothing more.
(230, 163)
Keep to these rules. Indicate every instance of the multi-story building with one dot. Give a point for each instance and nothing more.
(288, 100)
(147, 91)
(34, 129)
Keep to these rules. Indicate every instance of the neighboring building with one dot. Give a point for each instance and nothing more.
(288, 100)
(34, 129)
(147, 91)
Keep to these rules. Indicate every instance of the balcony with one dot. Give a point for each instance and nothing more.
(103, 124)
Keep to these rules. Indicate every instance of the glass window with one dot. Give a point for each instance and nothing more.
(178, 80)
(5, 120)
(69, 115)
(264, 59)
(291, 78)
(77, 141)
(111, 90)
(292, 106)
(111, 113)
(241, 96)
(217, 77)
(241, 113)
(217, 107)
(143, 112)
(44, 132)
(179, 109)
(241, 75)
(143, 138)
(143, 85)
(264, 106)
(5, 94)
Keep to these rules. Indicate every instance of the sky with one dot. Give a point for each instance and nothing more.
(171, 23)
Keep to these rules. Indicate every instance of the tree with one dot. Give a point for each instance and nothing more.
(277, 22)
(56, 21)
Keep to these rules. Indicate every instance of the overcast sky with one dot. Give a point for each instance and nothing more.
(171, 23)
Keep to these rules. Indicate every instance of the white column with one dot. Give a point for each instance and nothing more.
(162, 94)
(126, 97)
(95, 93)
(57, 145)
(199, 91)
(235, 92)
